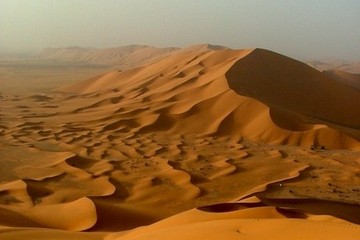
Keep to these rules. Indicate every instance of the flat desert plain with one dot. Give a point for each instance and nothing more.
(198, 143)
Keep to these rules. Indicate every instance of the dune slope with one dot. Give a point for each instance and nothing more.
(292, 87)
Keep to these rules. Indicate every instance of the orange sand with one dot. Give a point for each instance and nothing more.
(202, 142)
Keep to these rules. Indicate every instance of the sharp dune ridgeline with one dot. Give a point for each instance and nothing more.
(200, 142)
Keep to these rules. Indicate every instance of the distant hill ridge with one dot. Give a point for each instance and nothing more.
(124, 57)
(342, 65)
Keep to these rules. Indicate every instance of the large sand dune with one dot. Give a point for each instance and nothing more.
(205, 142)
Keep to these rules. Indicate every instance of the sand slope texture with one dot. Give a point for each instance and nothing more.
(203, 142)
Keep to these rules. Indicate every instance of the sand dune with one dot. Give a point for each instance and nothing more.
(325, 103)
(237, 221)
(203, 142)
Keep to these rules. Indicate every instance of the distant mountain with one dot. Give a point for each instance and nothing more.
(124, 57)
(335, 64)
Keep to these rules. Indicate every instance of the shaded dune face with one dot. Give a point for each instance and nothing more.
(351, 79)
(299, 93)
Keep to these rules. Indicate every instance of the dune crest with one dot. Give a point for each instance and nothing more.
(243, 222)
(276, 81)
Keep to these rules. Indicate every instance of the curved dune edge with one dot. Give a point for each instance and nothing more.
(78, 215)
(262, 187)
(31, 163)
(249, 229)
(244, 224)
(223, 221)
(74, 216)
(282, 87)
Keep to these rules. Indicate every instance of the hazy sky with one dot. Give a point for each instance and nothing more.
(304, 29)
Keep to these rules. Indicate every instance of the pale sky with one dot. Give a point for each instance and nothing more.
(303, 29)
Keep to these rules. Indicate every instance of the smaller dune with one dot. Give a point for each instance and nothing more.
(244, 223)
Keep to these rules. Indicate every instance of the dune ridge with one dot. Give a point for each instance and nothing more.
(203, 138)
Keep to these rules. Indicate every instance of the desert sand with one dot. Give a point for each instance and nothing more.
(197, 143)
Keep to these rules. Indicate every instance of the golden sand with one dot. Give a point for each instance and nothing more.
(204, 142)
